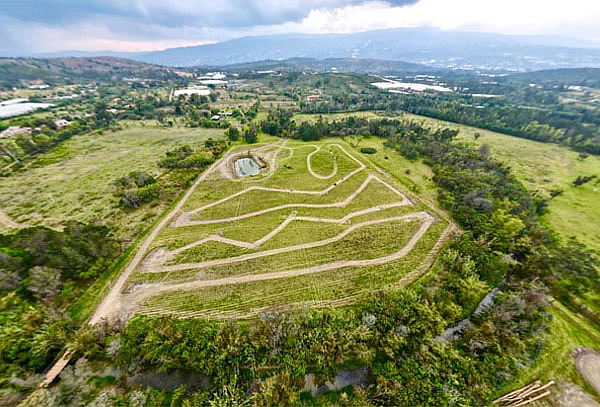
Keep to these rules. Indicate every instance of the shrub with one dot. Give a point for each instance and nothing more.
(368, 150)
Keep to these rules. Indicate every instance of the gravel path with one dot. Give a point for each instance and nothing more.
(587, 362)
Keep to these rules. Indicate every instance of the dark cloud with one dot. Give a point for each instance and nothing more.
(56, 24)
(170, 13)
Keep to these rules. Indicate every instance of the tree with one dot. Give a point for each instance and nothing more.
(233, 134)
(251, 135)
(43, 281)
(103, 116)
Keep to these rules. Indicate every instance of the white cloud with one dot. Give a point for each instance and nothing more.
(574, 17)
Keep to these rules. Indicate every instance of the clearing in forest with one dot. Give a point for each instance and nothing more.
(318, 226)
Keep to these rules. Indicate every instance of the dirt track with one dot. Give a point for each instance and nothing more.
(313, 173)
(184, 218)
(168, 254)
(11, 224)
(425, 217)
(111, 304)
(116, 303)
(150, 290)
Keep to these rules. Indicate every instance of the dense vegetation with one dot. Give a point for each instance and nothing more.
(42, 272)
(183, 164)
(577, 128)
(14, 71)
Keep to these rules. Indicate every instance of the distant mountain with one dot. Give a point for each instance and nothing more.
(14, 71)
(359, 65)
(467, 50)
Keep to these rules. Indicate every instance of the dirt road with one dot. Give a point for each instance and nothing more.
(587, 362)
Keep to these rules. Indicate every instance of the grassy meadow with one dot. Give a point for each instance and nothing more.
(75, 180)
(544, 167)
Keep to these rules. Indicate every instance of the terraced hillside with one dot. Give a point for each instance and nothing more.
(318, 226)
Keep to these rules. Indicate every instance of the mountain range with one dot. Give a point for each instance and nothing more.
(427, 46)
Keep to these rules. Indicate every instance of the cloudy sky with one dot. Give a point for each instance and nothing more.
(138, 25)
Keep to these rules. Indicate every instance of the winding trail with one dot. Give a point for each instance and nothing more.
(341, 204)
(310, 168)
(150, 290)
(423, 216)
(112, 303)
(167, 254)
(345, 301)
(184, 218)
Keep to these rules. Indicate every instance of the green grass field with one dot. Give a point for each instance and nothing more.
(320, 206)
(75, 180)
(543, 167)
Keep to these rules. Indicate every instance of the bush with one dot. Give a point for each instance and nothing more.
(251, 135)
(134, 198)
(582, 179)
(136, 178)
(368, 150)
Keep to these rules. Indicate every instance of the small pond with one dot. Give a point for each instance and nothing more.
(245, 167)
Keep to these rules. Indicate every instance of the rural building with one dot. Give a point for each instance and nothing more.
(42, 86)
(60, 123)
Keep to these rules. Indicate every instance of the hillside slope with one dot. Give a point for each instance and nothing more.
(15, 71)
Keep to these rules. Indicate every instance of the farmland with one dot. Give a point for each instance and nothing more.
(319, 226)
